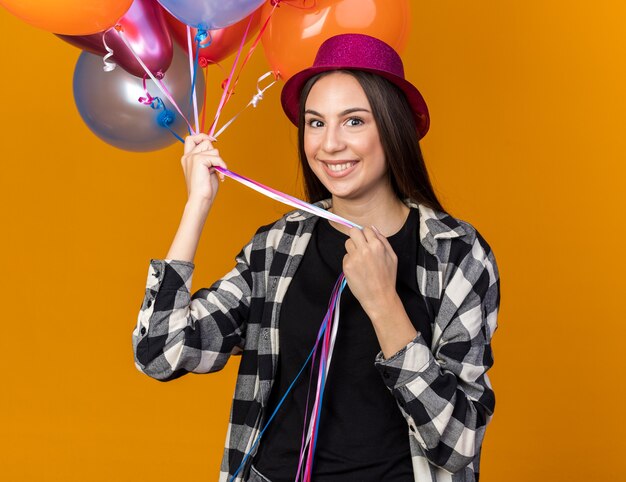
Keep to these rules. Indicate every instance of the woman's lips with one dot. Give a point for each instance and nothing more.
(339, 169)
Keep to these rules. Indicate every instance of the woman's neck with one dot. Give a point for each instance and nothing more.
(386, 212)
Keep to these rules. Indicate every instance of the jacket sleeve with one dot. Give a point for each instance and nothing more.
(177, 332)
(444, 392)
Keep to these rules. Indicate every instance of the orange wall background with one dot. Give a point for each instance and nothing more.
(527, 102)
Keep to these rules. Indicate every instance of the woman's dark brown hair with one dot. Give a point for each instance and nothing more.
(398, 136)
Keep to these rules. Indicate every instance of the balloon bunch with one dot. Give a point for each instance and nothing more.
(149, 40)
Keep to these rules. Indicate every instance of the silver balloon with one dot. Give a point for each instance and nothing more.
(108, 103)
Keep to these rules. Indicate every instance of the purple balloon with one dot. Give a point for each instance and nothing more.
(210, 14)
(145, 28)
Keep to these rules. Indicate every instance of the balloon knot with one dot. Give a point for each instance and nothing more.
(275, 3)
(165, 118)
(157, 103)
(159, 75)
(119, 28)
(203, 38)
(201, 34)
(203, 61)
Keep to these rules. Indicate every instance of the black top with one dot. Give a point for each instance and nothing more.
(362, 434)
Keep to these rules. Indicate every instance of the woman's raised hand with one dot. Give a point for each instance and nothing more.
(198, 159)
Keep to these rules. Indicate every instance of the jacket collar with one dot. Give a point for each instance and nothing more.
(434, 224)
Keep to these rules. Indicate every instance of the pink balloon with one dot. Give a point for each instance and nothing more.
(145, 29)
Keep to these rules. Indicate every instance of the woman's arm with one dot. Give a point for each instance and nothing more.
(177, 332)
(198, 158)
(443, 391)
(187, 236)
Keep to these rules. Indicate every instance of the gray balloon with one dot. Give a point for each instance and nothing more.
(108, 103)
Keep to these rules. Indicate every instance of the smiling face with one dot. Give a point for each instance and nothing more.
(341, 140)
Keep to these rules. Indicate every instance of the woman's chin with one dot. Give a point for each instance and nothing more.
(345, 194)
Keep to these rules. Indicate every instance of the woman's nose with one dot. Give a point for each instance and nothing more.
(333, 139)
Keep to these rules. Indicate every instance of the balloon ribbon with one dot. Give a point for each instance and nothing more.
(286, 198)
(158, 82)
(327, 335)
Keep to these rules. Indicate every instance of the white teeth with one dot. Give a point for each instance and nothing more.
(340, 167)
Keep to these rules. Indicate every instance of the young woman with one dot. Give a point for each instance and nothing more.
(407, 397)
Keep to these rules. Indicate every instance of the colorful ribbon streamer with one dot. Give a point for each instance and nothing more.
(164, 118)
(307, 449)
(256, 98)
(204, 63)
(193, 68)
(223, 99)
(253, 47)
(158, 82)
(286, 198)
(329, 324)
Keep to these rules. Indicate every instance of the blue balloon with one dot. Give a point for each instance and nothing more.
(210, 14)
(108, 103)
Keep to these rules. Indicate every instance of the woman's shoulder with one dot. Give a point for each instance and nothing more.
(437, 225)
(291, 226)
(458, 243)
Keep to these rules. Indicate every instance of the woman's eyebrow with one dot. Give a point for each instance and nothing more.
(342, 113)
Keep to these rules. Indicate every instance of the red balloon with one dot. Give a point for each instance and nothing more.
(224, 41)
(145, 29)
(91, 43)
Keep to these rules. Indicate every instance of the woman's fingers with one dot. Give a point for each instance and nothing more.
(188, 158)
(385, 242)
(216, 161)
(209, 159)
(370, 235)
(382, 239)
(368, 239)
(205, 145)
(357, 236)
(199, 162)
(192, 141)
(189, 144)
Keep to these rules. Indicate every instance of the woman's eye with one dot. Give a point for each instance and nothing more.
(355, 121)
(352, 121)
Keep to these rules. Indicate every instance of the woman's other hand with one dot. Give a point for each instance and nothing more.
(370, 266)
(198, 160)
